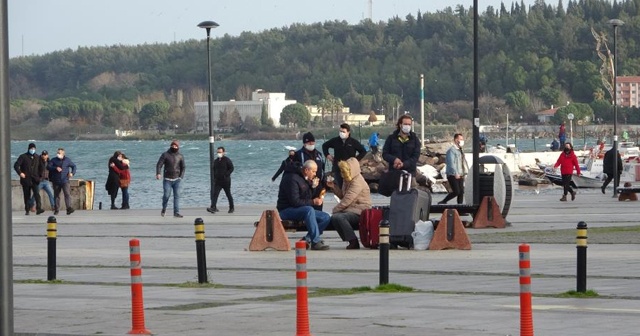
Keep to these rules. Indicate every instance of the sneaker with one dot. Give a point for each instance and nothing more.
(177, 215)
(573, 195)
(55, 212)
(39, 211)
(231, 210)
(70, 211)
(33, 208)
(212, 209)
(563, 199)
(319, 246)
(162, 212)
(353, 244)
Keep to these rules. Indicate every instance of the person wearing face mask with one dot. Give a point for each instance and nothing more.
(457, 169)
(222, 169)
(344, 147)
(113, 179)
(289, 160)
(309, 152)
(61, 169)
(29, 168)
(567, 161)
(173, 172)
(402, 148)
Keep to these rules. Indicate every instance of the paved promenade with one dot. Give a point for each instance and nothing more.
(458, 292)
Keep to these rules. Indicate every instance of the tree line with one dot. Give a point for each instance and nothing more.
(531, 57)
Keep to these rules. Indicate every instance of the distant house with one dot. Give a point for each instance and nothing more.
(546, 115)
(627, 91)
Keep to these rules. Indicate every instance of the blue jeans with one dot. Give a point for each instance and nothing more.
(125, 196)
(315, 220)
(167, 187)
(49, 190)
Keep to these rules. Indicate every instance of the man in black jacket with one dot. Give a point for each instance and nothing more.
(607, 167)
(402, 148)
(174, 167)
(295, 202)
(222, 169)
(29, 167)
(344, 147)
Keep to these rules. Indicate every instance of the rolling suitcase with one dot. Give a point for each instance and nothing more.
(408, 205)
(369, 225)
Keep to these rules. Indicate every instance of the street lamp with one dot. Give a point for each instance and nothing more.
(570, 116)
(208, 25)
(616, 179)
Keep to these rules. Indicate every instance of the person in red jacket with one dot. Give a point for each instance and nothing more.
(567, 162)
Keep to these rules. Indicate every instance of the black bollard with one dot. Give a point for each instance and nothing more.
(52, 235)
(200, 251)
(384, 251)
(581, 246)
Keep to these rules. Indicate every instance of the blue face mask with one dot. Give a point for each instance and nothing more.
(32, 151)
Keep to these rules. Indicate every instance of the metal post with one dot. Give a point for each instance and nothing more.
(52, 236)
(422, 109)
(201, 252)
(384, 252)
(476, 111)
(616, 179)
(6, 223)
(581, 247)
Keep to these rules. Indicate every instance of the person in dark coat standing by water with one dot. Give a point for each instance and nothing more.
(29, 168)
(289, 160)
(222, 169)
(344, 147)
(607, 167)
(174, 167)
(113, 179)
(402, 148)
(568, 161)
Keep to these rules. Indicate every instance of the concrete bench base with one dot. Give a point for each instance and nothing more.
(628, 193)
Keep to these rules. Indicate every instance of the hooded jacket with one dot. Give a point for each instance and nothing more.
(294, 190)
(354, 195)
(567, 163)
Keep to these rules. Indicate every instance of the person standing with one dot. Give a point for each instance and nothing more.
(354, 198)
(309, 152)
(113, 179)
(401, 150)
(373, 142)
(174, 167)
(61, 169)
(562, 135)
(567, 161)
(289, 160)
(296, 201)
(124, 175)
(29, 167)
(344, 147)
(44, 182)
(457, 169)
(222, 169)
(607, 167)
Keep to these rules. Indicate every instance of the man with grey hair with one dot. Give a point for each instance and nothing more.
(295, 201)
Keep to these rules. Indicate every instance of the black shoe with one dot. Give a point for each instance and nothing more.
(113, 207)
(124, 207)
(212, 209)
(162, 212)
(353, 244)
(39, 211)
(70, 211)
(55, 212)
(573, 195)
(26, 213)
(177, 215)
(602, 188)
(442, 202)
(231, 210)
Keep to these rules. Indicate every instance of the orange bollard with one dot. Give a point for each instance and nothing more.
(526, 313)
(302, 318)
(137, 304)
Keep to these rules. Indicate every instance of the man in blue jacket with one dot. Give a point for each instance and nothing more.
(61, 169)
(457, 169)
(295, 202)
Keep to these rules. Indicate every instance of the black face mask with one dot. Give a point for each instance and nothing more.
(173, 150)
(567, 150)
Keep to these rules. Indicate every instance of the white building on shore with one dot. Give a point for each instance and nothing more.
(274, 102)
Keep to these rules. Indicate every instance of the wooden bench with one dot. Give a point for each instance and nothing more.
(461, 208)
(294, 226)
(628, 192)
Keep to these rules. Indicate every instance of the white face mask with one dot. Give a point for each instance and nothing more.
(60, 156)
(220, 154)
(343, 135)
(309, 147)
(406, 129)
(461, 143)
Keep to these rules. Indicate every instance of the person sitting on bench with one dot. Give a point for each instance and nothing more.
(295, 201)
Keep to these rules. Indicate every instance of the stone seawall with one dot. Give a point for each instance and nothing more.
(81, 196)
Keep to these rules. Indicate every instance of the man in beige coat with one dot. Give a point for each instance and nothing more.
(354, 198)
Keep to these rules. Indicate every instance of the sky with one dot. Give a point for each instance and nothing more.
(37, 27)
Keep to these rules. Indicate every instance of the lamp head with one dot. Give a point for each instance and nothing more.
(208, 25)
(616, 22)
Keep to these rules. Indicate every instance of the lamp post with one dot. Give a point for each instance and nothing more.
(208, 25)
(616, 179)
(570, 116)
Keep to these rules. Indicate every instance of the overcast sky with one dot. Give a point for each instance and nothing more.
(37, 27)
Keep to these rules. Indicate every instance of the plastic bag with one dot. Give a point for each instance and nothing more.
(422, 235)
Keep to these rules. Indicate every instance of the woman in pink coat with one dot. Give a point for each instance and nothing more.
(567, 162)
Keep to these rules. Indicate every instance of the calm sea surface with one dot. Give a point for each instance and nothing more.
(255, 163)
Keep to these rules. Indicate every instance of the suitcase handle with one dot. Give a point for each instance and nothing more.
(403, 175)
